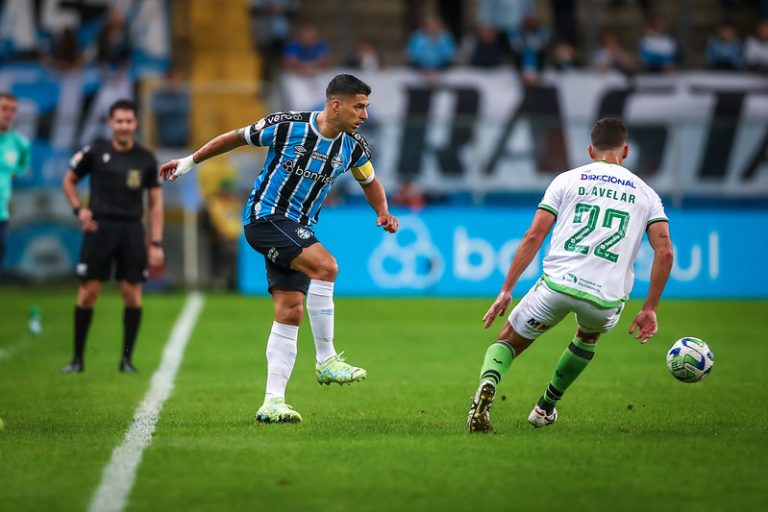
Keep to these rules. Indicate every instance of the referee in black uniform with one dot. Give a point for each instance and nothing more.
(120, 171)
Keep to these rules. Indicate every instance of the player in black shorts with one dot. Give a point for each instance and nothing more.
(114, 242)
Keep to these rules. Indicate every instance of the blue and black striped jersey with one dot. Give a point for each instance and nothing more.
(301, 166)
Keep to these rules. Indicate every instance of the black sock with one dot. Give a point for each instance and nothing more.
(83, 318)
(131, 321)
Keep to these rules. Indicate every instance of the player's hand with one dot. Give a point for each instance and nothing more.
(645, 325)
(498, 308)
(156, 256)
(85, 217)
(388, 222)
(171, 170)
(168, 170)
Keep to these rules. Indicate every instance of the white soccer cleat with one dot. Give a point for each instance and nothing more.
(539, 417)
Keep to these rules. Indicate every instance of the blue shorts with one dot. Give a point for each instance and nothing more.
(280, 240)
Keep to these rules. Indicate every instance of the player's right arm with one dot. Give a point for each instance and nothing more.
(526, 251)
(219, 145)
(645, 322)
(79, 166)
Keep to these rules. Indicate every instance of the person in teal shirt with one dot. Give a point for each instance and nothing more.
(14, 160)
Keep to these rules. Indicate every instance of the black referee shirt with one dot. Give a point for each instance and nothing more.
(118, 179)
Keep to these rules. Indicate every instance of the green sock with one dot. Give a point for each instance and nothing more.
(573, 361)
(498, 359)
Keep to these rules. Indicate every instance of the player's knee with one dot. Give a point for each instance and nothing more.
(329, 269)
(86, 297)
(289, 313)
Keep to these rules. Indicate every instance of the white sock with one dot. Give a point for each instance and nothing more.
(281, 354)
(320, 310)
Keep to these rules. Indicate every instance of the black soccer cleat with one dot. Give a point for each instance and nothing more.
(76, 366)
(479, 417)
(126, 366)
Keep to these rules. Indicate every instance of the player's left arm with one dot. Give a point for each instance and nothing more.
(532, 241)
(156, 254)
(376, 196)
(663, 256)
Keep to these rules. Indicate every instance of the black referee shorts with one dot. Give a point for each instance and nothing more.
(118, 246)
(280, 240)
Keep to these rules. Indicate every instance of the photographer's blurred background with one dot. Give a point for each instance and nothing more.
(476, 105)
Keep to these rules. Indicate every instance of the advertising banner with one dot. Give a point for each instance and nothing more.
(692, 133)
(467, 251)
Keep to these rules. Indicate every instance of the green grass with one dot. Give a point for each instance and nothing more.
(630, 437)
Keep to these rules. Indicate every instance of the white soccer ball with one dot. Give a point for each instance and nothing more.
(689, 359)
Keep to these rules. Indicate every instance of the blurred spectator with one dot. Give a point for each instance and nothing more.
(658, 50)
(529, 47)
(756, 50)
(113, 51)
(366, 57)
(171, 107)
(566, 26)
(486, 49)
(724, 49)
(506, 15)
(611, 56)
(307, 54)
(409, 196)
(222, 218)
(431, 48)
(270, 29)
(65, 54)
(564, 56)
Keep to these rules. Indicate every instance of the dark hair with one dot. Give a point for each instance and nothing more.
(123, 104)
(609, 133)
(346, 85)
(7, 96)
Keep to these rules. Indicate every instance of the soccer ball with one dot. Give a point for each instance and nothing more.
(689, 359)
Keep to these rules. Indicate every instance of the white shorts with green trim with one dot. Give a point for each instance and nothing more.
(542, 308)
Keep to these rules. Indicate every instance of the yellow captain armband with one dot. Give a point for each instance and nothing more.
(363, 174)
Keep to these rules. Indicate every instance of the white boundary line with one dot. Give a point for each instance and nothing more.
(119, 475)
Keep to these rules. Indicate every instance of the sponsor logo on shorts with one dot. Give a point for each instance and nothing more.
(81, 269)
(303, 233)
(105, 157)
(537, 325)
(273, 254)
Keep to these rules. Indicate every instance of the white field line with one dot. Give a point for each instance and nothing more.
(119, 475)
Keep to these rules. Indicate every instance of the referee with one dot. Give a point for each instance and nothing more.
(120, 170)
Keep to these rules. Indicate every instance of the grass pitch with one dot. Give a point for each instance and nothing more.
(629, 437)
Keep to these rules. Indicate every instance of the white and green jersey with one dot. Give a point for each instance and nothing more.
(602, 212)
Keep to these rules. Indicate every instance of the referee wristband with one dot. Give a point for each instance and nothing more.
(76, 210)
(156, 243)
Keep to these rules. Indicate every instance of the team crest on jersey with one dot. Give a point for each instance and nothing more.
(303, 233)
(337, 162)
(133, 179)
(105, 157)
